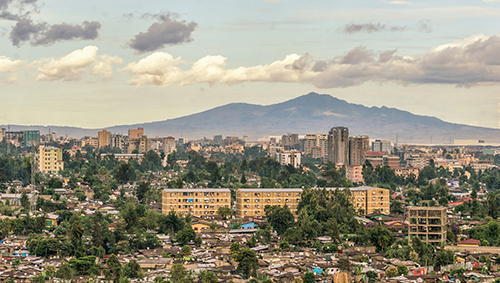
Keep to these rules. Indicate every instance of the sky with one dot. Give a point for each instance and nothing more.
(96, 64)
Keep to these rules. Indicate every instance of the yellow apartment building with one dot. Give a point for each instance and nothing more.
(50, 159)
(251, 202)
(198, 202)
(370, 199)
(103, 138)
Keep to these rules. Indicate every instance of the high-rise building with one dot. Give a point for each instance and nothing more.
(382, 145)
(292, 157)
(357, 147)
(134, 134)
(31, 138)
(313, 141)
(427, 223)
(218, 139)
(197, 202)
(338, 145)
(50, 159)
(117, 141)
(290, 141)
(142, 144)
(103, 138)
(169, 144)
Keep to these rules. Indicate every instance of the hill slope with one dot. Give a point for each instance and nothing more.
(311, 113)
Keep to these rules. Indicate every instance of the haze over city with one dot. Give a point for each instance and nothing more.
(96, 64)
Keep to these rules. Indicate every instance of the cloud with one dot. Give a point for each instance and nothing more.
(370, 27)
(85, 31)
(9, 66)
(407, 3)
(74, 65)
(168, 31)
(470, 62)
(41, 33)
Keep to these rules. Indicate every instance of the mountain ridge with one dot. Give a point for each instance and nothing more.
(310, 113)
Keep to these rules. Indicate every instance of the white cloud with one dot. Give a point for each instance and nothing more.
(470, 62)
(74, 65)
(10, 66)
(408, 3)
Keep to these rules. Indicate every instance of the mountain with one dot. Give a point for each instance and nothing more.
(311, 113)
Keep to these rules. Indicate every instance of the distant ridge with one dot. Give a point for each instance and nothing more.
(310, 113)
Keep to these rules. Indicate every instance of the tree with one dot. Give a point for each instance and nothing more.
(179, 274)
(309, 277)
(186, 250)
(25, 202)
(50, 270)
(208, 277)
(213, 226)
(380, 237)
(113, 270)
(64, 272)
(280, 218)
(198, 241)
(247, 263)
(225, 212)
(235, 248)
(37, 279)
(372, 276)
(391, 271)
(185, 235)
(444, 257)
(133, 269)
(142, 190)
(402, 270)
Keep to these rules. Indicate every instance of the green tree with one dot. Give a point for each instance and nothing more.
(247, 263)
(179, 274)
(225, 212)
(208, 277)
(444, 257)
(64, 272)
(133, 269)
(25, 202)
(380, 237)
(186, 235)
(186, 250)
(280, 218)
(113, 269)
(391, 271)
(402, 270)
(309, 277)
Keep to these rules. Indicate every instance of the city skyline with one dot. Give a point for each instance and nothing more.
(99, 64)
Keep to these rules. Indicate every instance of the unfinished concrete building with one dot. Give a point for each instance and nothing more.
(427, 223)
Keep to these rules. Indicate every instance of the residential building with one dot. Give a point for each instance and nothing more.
(392, 161)
(382, 145)
(407, 171)
(142, 144)
(93, 142)
(292, 157)
(290, 141)
(354, 173)
(218, 139)
(169, 144)
(197, 202)
(314, 141)
(31, 138)
(338, 145)
(357, 147)
(14, 136)
(125, 156)
(50, 159)
(2, 130)
(427, 223)
(117, 141)
(251, 202)
(417, 162)
(103, 138)
(134, 134)
(370, 199)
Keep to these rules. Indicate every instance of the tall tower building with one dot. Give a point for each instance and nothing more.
(382, 145)
(357, 147)
(338, 145)
(134, 134)
(103, 138)
(50, 159)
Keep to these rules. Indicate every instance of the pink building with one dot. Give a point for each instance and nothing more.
(354, 173)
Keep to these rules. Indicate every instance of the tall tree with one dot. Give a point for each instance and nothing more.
(247, 263)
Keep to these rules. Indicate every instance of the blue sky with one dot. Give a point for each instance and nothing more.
(101, 63)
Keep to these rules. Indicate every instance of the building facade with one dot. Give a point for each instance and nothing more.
(427, 223)
(251, 202)
(357, 147)
(197, 202)
(31, 138)
(338, 145)
(382, 145)
(169, 144)
(354, 173)
(50, 160)
(103, 138)
(369, 199)
(292, 157)
(290, 141)
(134, 134)
(314, 141)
